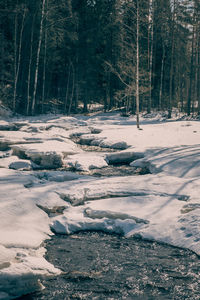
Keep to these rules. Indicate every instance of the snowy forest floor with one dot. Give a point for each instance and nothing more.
(49, 184)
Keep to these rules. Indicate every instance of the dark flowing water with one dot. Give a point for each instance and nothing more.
(97, 265)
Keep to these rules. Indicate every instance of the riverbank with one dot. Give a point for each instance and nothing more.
(57, 176)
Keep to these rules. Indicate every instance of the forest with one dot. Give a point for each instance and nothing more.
(136, 55)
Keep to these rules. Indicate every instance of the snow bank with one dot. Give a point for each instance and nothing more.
(23, 227)
(182, 161)
(163, 206)
(154, 206)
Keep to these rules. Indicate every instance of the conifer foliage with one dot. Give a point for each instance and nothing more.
(64, 55)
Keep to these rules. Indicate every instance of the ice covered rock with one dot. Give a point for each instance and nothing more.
(119, 145)
(48, 154)
(23, 165)
(86, 162)
(100, 214)
(87, 139)
(64, 225)
(13, 162)
(6, 126)
(123, 157)
(24, 274)
(96, 130)
(57, 176)
(4, 144)
(6, 161)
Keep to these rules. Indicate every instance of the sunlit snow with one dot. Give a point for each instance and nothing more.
(43, 189)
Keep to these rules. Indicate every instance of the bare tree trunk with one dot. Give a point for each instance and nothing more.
(17, 57)
(107, 104)
(15, 63)
(29, 68)
(37, 58)
(161, 78)
(72, 94)
(45, 59)
(198, 72)
(191, 76)
(150, 52)
(137, 70)
(67, 88)
(171, 65)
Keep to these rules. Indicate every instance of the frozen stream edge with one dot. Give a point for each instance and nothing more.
(180, 220)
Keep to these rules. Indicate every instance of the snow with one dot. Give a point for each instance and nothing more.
(162, 206)
(86, 161)
(182, 161)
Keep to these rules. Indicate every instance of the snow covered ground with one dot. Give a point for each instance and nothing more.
(40, 193)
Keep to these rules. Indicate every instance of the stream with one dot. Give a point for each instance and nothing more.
(98, 265)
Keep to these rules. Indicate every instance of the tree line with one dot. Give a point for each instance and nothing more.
(140, 55)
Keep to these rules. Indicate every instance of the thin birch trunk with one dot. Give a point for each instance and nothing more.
(191, 76)
(17, 59)
(161, 78)
(196, 70)
(37, 58)
(15, 63)
(171, 65)
(29, 68)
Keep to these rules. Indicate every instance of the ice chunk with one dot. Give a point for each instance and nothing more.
(23, 275)
(63, 225)
(123, 157)
(23, 165)
(100, 214)
(86, 161)
(121, 145)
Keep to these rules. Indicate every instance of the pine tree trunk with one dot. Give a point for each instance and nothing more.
(72, 93)
(171, 65)
(198, 71)
(161, 78)
(150, 53)
(67, 88)
(137, 70)
(37, 59)
(107, 102)
(45, 59)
